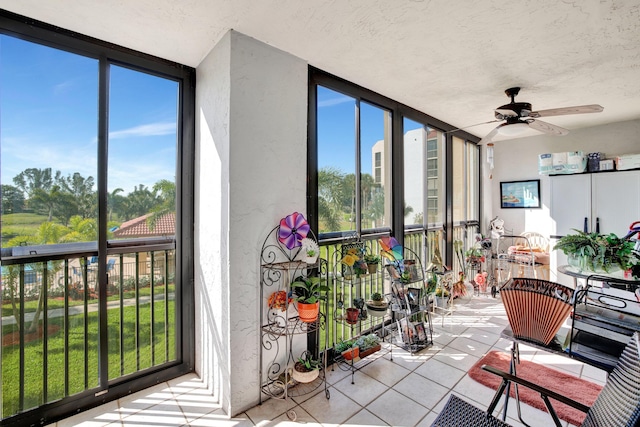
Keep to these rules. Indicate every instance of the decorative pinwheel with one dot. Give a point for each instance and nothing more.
(293, 229)
(391, 249)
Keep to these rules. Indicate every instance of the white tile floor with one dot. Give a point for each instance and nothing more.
(408, 391)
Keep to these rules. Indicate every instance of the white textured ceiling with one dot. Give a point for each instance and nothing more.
(450, 59)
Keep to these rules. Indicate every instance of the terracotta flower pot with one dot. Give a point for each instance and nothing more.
(372, 267)
(351, 353)
(352, 315)
(308, 312)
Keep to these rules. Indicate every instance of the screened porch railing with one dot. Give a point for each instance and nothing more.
(421, 243)
(50, 322)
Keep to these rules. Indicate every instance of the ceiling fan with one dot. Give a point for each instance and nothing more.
(518, 116)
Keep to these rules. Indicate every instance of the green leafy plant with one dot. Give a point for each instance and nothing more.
(371, 258)
(366, 342)
(308, 362)
(344, 345)
(311, 252)
(432, 282)
(599, 251)
(377, 300)
(309, 290)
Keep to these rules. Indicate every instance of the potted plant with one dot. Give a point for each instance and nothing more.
(597, 252)
(377, 306)
(347, 349)
(353, 314)
(368, 344)
(279, 300)
(309, 292)
(306, 369)
(310, 249)
(372, 261)
(432, 282)
(442, 297)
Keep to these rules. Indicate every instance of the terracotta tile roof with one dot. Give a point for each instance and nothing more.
(138, 227)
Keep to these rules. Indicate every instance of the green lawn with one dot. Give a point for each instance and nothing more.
(20, 224)
(128, 363)
(31, 305)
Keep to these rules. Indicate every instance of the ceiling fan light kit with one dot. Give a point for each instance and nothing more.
(513, 129)
(519, 116)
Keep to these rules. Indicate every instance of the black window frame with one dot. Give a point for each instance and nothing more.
(399, 111)
(107, 54)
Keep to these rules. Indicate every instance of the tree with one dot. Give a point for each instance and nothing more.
(80, 230)
(115, 202)
(166, 195)
(47, 233)
(139, 202)
(330, 187)
(32, 179)
(81, 189)
(46, 200)
(12, 199)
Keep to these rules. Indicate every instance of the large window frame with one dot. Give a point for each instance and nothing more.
(108, 54)
(398, 111)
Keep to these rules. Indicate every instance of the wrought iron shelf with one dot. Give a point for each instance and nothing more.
(281, 323)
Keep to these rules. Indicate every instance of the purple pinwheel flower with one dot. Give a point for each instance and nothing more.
(293, 228)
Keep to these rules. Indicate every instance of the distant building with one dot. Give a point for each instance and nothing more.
(420, 148)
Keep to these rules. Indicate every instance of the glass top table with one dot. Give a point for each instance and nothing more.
(616, 279)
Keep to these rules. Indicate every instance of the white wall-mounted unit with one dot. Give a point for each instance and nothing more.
(605, 202)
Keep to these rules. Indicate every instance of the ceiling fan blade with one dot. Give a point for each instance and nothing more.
(580, 109)
(547, 127)
(490, 135)
(470, 126)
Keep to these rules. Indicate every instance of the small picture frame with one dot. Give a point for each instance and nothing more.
(413, 296)
(420, 332)
(520, 194)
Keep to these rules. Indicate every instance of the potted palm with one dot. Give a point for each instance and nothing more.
(377, 306)
(306, 369)
(309, 292)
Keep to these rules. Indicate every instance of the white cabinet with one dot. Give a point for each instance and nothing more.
(615, 201)
(601, 202)
(605, 202)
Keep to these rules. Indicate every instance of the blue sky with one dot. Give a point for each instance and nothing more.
(336, 130)
(48, 117)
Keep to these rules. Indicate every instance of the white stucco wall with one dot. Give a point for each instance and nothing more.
(517, 160)
(251, 104)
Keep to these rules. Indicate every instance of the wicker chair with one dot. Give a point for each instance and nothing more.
(618, 404)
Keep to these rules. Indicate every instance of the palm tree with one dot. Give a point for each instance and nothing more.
(330, 186)
(114, 202)
(47, 198)
(139, 202)
(48, 233)
(166, 194)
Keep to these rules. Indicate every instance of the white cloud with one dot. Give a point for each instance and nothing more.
(335, 101)
(153, 129)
